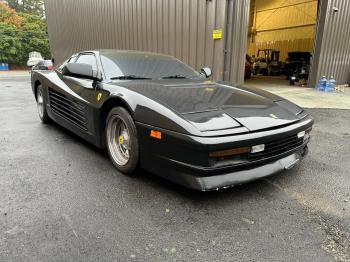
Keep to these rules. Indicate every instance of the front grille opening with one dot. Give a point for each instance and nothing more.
(277, 147)
(273, 148)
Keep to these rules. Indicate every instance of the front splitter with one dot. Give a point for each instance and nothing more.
(243, 176)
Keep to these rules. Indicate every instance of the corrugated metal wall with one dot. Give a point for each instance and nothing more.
(236, 41)
(332, 43)
(182, 28)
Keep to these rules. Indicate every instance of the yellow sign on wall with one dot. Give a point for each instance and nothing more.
(217, 34)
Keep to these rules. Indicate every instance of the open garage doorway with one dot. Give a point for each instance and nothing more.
(280, 43)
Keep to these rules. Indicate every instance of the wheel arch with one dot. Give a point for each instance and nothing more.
(104, 111)
(36, 85)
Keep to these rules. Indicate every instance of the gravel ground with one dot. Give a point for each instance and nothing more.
(62, 200)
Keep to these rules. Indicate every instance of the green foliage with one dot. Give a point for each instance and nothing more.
(10, 45)
(16, 43)
(35, 7)
(34, 36)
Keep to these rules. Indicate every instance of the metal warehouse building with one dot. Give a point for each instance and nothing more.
(216, 33)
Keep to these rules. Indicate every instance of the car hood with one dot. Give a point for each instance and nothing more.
(215, 106)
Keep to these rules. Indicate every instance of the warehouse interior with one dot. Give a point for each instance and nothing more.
(280, 42)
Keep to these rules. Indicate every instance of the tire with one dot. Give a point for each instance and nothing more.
(41, 105)
(121, 140)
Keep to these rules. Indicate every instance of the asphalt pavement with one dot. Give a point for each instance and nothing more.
(61, 199)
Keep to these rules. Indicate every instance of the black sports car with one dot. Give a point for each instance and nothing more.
(155, 112)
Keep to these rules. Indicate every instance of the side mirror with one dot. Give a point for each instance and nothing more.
(80, 70)
(206, 71)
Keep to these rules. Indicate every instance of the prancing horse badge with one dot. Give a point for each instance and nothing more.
(99, 96)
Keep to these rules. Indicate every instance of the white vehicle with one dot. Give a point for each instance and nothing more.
(34, 58)
(267, 62)
(260, 67)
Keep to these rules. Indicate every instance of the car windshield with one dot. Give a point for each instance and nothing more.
(130, 65)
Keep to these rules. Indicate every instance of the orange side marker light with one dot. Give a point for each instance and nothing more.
(156, 134)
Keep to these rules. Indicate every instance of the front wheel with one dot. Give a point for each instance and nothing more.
(41, 105)
(121, 140)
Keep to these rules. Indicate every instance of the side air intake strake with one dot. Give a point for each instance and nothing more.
(71, 111)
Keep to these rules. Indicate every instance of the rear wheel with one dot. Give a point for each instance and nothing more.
(121, 140)
(41, 105)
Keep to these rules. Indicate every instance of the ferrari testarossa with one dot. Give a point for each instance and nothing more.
(154, 112)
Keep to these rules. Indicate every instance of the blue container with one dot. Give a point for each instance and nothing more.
(321, 85)
(4, 66)
(330, 85)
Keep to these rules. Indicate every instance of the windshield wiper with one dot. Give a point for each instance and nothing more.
(174, 77)
(129, 77)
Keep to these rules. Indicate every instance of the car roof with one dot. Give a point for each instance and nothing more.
(131, 52)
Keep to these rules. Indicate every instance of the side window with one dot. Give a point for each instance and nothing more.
(60, 68)
(87, 59)
(71, 60)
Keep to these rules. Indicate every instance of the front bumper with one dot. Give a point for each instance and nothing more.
(231, 178)
(181, 158)
(208, 179)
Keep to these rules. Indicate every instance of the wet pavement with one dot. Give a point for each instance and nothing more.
(62, 200)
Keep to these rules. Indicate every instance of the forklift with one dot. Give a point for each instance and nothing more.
(267, 62)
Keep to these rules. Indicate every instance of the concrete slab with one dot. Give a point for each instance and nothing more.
(14, 73)
(303, 96)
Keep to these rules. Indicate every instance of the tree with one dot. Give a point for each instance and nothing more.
(21, 33)
(33, 22)
(10, 44)
(34, 37)
(35, 7)
(9, 15)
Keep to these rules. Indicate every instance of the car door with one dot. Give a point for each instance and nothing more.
(74, 101)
